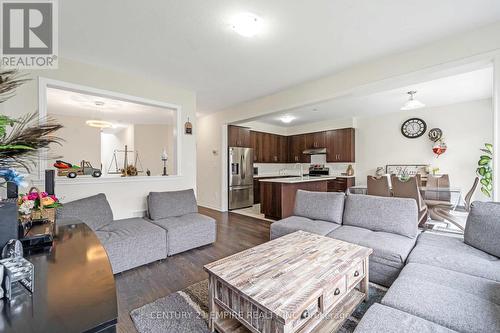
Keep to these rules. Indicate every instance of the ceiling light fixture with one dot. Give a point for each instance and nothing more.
(412, 103)
(99, 123)
(287, 119)
(99, 103)
(247, 24)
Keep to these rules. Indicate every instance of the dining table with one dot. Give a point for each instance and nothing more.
(453, 194)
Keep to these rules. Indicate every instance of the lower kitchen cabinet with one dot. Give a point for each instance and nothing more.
(340, 184)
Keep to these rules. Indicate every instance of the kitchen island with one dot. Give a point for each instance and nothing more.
(277, 195)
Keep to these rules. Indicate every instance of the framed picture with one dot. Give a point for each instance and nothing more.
(407, 169)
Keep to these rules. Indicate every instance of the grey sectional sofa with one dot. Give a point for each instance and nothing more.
(138, 241)
(445, 285)
(387, 225)
(177, 213)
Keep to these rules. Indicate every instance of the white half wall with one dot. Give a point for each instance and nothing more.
(127, 197)
(466, 128)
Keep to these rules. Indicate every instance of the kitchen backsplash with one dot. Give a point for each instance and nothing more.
(275, 169)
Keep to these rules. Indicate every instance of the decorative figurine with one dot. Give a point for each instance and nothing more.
(164, 158)
(379, 172)
(350, 170)
(13, 249)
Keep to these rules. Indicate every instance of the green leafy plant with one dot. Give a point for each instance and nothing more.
(485, 170)
(21, 139)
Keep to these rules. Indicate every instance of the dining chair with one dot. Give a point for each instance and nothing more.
(410, 189)
(437, 182)
(378, 186)
(443, 210)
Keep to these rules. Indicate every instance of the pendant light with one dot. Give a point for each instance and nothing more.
(412, 103)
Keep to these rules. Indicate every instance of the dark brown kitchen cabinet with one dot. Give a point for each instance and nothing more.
(296, 145)
(238, 136)
(340, 184)
(269, 148)
(282, 149)
(340, 145)
(315, 140)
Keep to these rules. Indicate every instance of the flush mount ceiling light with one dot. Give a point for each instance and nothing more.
(412, 103)
(287, 119)
(99, 123)
(247, 24)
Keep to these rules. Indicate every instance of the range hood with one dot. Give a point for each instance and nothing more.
(315, 151)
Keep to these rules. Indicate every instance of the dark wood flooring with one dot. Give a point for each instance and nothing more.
(145, 284)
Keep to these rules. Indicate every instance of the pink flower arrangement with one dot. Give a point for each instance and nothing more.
(35, 200)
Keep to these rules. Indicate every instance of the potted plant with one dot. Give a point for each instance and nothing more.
(485, 170)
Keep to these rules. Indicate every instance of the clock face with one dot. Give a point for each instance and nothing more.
(413, 128)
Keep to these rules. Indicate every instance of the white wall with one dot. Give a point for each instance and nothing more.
(466, 127)
(74, 129)
(116, 139)
(402, 69)
(127, 197)
(150, 140)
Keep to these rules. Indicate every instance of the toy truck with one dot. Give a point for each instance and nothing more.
(71, 171)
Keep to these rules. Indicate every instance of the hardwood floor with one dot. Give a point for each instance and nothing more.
(145, 284)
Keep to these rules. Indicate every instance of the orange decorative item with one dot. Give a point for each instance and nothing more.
(439, 148)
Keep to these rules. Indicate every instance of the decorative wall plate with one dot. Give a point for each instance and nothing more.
(435, 134)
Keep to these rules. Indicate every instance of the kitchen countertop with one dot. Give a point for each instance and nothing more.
(296, 176)
(294, 180)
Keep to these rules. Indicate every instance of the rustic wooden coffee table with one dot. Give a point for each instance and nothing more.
(297, 283)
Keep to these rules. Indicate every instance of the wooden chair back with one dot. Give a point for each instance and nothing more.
(436, 182)
(468, 196)
(378, 186)
(410, 189)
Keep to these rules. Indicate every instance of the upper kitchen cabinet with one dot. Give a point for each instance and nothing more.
(340, 145)
(315, 140)
(282, 149)
(238, 136)
(296, 145)
(269, 148)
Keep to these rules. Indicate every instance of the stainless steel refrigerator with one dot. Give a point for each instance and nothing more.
(240, 177)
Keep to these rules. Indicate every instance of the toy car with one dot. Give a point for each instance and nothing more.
(71, 171)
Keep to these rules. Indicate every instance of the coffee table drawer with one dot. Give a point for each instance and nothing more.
(355, 274)
(336, 292)
(310, 311)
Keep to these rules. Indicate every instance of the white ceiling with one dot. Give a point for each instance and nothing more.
(190, 44)
(460, 88)
(69, 103)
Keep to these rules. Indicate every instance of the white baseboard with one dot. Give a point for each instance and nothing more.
(211, 207)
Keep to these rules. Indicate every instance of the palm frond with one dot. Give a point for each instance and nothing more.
(9, 81)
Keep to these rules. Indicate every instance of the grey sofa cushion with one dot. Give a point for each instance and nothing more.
(486, 289)
(452, 307)
(380, 318)
(483, 227)
(453, 254)
(168, 204)
(389, 251)
(393, 215)
(324, 206)
(133, 242)
(295, 223)
(187, 232)
(93, 211)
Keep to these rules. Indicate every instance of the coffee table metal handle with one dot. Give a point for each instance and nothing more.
(304, 314)
(356, 273)
(336, 292)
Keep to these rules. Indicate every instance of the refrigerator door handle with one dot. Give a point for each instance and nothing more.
(243, 167)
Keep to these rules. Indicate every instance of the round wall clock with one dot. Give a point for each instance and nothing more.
(413, 128)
